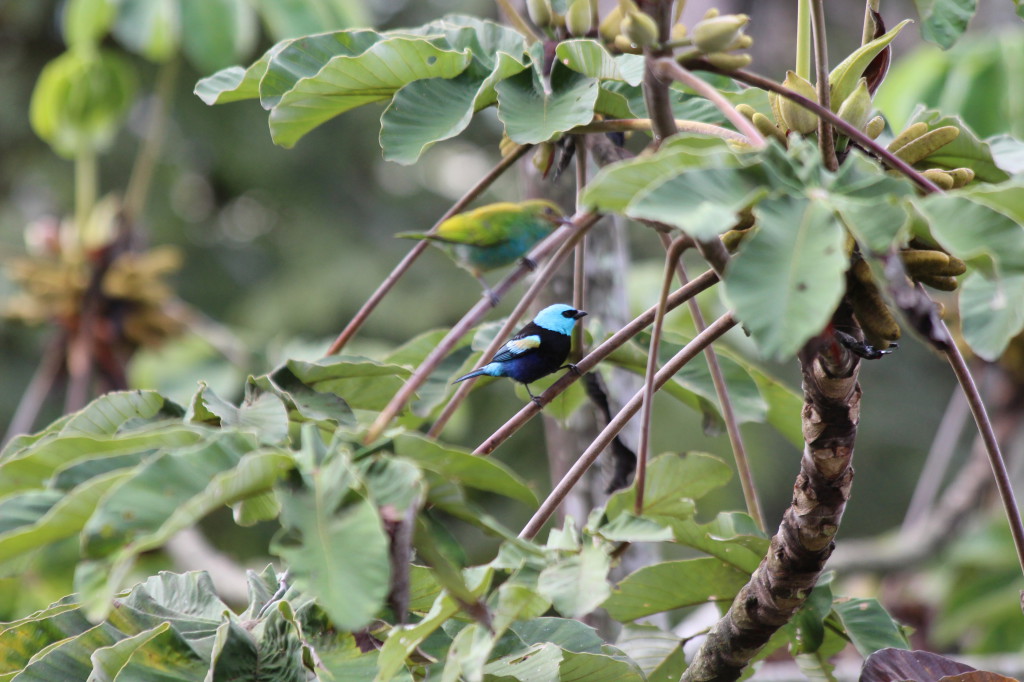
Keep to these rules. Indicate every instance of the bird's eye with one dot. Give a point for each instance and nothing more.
(569, 313)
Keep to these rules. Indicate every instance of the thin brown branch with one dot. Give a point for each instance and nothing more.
(149, 150)
(580, 222)
(732, 427)
(667, 68)
(540, 281)
(643, 125)
(672, 255)
(39, 387)
(371, 304)
(678, 297)
(587, 459)
(656, 95)
(826, 142)
(850, 131)
(580, 257)
(988, 436)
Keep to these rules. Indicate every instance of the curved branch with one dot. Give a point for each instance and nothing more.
(678, 297)
(617, 125)
(687, 353)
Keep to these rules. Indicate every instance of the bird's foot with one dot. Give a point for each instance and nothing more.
(572, 368)
(491, 296)
(861, 349)
(528, 263)
(537, 401)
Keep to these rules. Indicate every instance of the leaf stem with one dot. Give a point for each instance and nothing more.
(826, 142)
(687, 353)
(667, 68)
(995, 456)
(86, 189)
(850, 131)
(616, 125)
(672, 255)
(803, 39)
(588, 362)
(371, 304)
(149, 151)
(581, 222)
(580, 256)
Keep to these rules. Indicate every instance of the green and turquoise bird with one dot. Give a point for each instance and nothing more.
(493, 236)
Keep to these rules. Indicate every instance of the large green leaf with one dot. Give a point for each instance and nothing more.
(290, 18)
(534, 109)
(587, 667)
(732, 537)
(944, 21)
(335, 544)
(159, 653)
(459, 465)
(985, 237)
(590, 58)
(869, 626)
(991, 313)
(151, 28)
(264, 416)
(788, 278)
(24, 638)
(69, 658)
(345, 83)
(672, 585)
(362, 383)
(673, 483)
(577, 584)
(170, 485)
(219, 32)
(648, 645)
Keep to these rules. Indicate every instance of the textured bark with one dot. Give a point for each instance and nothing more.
(805, 538)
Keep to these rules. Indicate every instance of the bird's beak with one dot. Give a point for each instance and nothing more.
(579, 314)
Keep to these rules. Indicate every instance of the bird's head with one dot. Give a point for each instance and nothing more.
(546, 210)
(559, 318)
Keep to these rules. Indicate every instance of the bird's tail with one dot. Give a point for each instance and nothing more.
(475, 373)
(419, 235)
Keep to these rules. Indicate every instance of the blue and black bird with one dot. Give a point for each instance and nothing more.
(538, 349)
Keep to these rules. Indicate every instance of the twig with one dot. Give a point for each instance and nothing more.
(826, 142)
(617, 125)
(517, 21)
(988, 436)
(539, 282)
(850, 131)
(655, 90)
(149, 150)
(672, 255)
(803, 39)
(581, 222)
(360, 317)
(39, 387)
(936, 464)
(732, 428)
(669, 69)
(687, 353)
(580, 256)
(678, 297)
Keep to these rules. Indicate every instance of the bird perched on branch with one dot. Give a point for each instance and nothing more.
(493, 236)
(536, 350)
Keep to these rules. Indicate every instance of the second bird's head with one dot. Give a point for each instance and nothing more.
(559, 318)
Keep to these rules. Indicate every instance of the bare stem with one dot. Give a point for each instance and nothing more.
(580, 257)
(678, 297)
(988, 435)
(687, 353)
(672, 255)
(826, 142)
(360, 317)
(644, 125)
(539, 282)
(581, 222)
(732, 427)
(39, 387)
(850, 131)
(517, 21)
(149, 151)
(667, 68)
(803, 39)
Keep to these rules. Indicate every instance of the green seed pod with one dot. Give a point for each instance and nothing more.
(874, 127)
(857, 107)
(540, 12)
(939, 282)
(795, 117)
(926, 145)
(733, 238)
(944, 180)
(718, 33)
(578, 18)
(961, 176)
(928, 262)
(746, 110)
(624, 44)
(765, 126)
(870, 308)
(910, 133)
(640, 28)
(728, 61)
(678, 32)
(609, 26)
